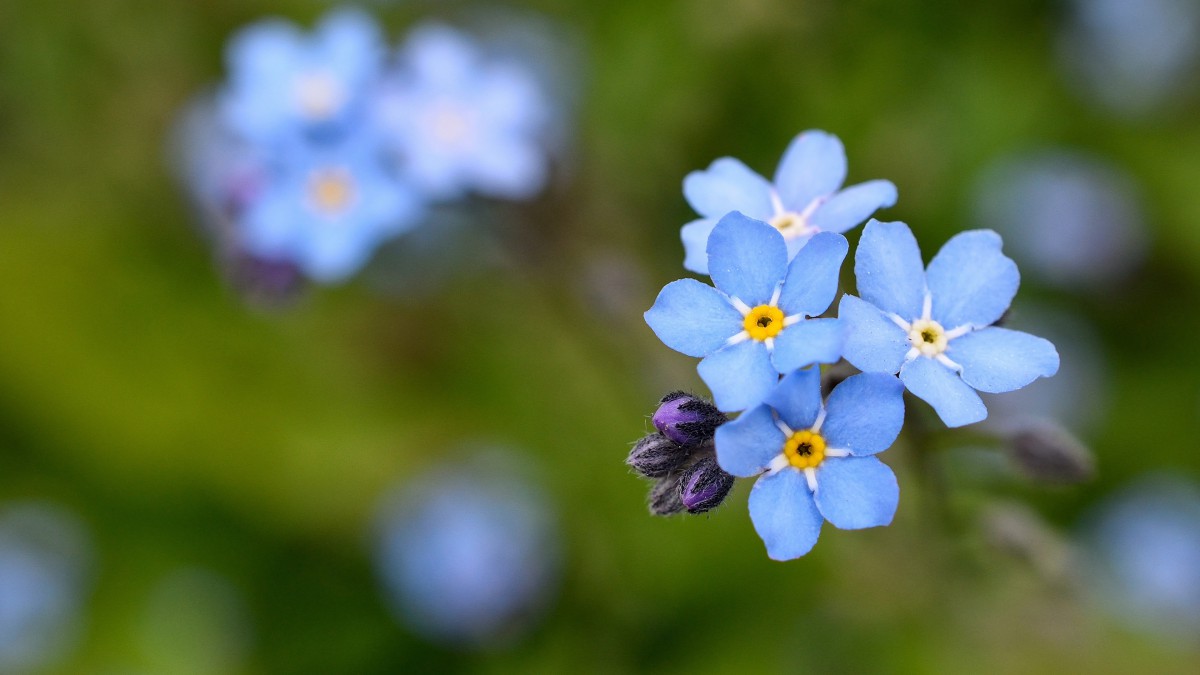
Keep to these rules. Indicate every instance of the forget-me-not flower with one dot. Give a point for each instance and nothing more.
(755, 325)
(934, 326)
(818, 458)
(805, 197)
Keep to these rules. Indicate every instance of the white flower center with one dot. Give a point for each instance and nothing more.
(319, 95)
(928, 337)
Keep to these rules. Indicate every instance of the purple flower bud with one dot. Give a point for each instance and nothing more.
(664, 497)
(687, 419)
(704, 486)
(656, 455)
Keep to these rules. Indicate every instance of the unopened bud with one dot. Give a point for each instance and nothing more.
(704, 486)
(656, 455)
(664, 497)
(687, 419)
(1045, 451)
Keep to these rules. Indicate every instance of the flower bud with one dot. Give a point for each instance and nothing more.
(1046, 452)
(704, 485)
(664, 497)
(687, 419)
(656, 455)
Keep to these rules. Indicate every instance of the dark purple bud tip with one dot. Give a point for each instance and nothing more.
(656, 455)
(664, 497)
(687, 419)
(704, 486)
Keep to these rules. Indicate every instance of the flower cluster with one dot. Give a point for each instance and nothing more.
(774, 253)
(321, 146)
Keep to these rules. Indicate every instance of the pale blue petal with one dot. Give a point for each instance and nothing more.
(334, 252)
(728, 185)
(695, 244)
(440, 55)
(997, 360)
(853, 205)
(813, 166)
(747, 258)
(874, 343)
(693, 318)
(747, 445)
(857, 492)
(797, 399)
(954, 400)
(971, 281)
(794, 244)
(864, 413)
(888, 267)
(507, 166)
(739, 376)
(808, 342)
(812, 276)
(784, 515)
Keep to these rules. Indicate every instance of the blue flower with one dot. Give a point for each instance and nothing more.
(754, 325)
(460, 122)
(804, 199)
(283, 83)
(819, 459)
(934, 326)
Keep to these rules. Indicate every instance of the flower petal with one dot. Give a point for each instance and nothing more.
(728, 185)
(864, 413)
(954, 400)
(784, 515)
(739, 376)
(889, 270)
(971, 281)
(997, 360)
(693, 318)
(874, 343)
(695, 244)
(856, 492)
(812, 276)
(813, 166)
(747, 445)
(853, 205)
(797, 399)
(808, 342)
(746, 258)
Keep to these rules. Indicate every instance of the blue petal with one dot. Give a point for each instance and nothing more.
(812, 276)
(739, 376)
(997, 360)
(747, 445)
(784, 515)
(808, 342)
(813, 166)
(954, 400)
(971, 281)
(889, 270)
(746, 258)
(797, 399)
(695, 244)
(857, 492)
(728, 185)
(693, 318)
(332, 255)
(853, 205)
(874, 343)
(864, 413)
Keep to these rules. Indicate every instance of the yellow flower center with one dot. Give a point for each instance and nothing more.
(331, 190)
(791, 224)
(764, 322)
(928, 337)
(805, 449)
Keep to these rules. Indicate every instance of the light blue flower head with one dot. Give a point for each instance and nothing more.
(818, 458)
(283, 83)
(805, 198)
(327, 208)
(460, 122)
(934, 326)
(754, 325)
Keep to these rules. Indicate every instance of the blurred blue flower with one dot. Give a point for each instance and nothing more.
(934, 326)
(804, 199)
(459, 121)
(755, 325)
(284, 84)
(818, 458)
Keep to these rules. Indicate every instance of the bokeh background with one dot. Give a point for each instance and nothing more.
(194, 483)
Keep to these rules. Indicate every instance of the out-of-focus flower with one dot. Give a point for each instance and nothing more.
(934, 326)
(1072, 219)
(468, 555)
(818, 458)
(755, 325)
(196, 621)
(803, 200)
(460, 122)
